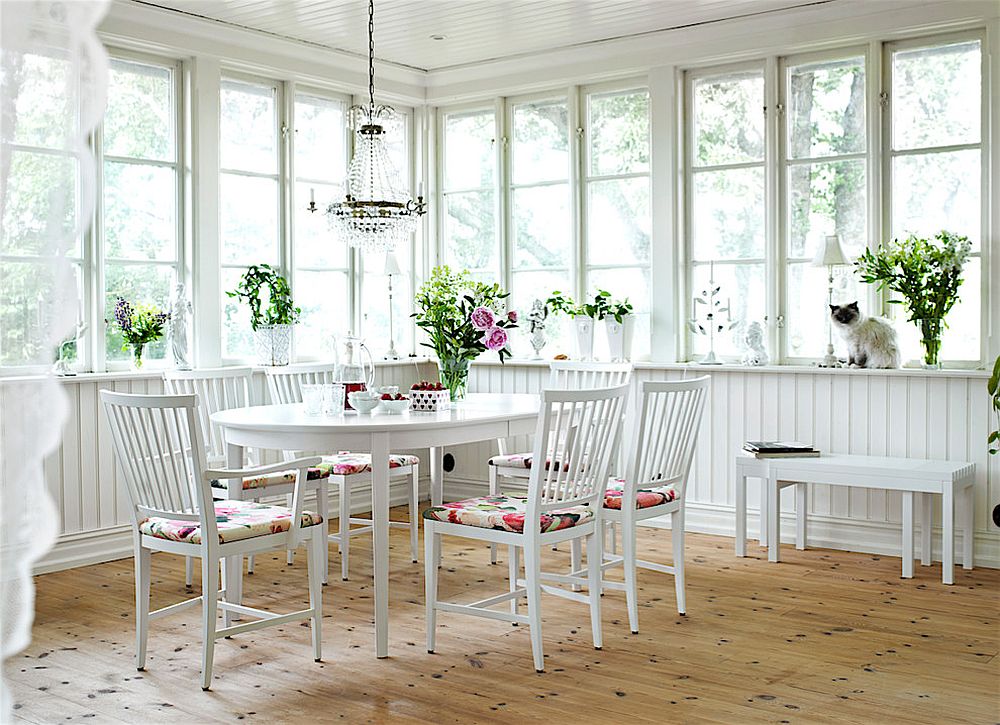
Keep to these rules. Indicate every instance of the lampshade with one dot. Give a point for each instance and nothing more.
(830, 253)
(391, 265)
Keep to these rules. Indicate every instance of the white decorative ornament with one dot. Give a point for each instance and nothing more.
(755, 353)
(180, 313)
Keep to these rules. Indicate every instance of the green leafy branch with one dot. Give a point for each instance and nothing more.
(279, 310)
(993, 386)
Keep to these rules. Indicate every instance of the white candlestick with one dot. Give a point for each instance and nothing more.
(312, 196)
(420, 189)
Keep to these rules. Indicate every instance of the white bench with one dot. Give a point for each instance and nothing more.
(948, 479)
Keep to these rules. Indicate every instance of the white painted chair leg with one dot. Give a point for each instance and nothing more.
(231, 569)
(494, 487)
(209, 606)
(614, 537)
(576, 558)
(513, 569)
(189, 571)
(677, 534)
(316, 567)
(345, 527)
(290, 554)
(631, 574)
(595, 557)
(323, 504)
(250, 563)
(142, 577)
(432, 547)
(532, 574)
(415, 515)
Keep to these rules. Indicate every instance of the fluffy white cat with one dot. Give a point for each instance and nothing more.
(871, 341)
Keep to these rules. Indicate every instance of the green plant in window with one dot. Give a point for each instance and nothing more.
(277, 308)
(993, 386)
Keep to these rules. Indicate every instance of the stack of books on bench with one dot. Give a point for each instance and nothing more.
(780, 449)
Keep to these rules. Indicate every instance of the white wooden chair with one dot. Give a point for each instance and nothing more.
(348, 470)
(661, 449)
(159, 445)
(223, 389)
(568, 375)
(563, 503)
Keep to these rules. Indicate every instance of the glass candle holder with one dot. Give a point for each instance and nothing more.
(312, 399)
(333, 398)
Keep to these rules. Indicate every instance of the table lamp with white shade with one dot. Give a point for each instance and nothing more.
(830, 255)
(391, 268)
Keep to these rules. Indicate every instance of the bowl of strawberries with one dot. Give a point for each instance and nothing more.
(394, 404)
(429, 396)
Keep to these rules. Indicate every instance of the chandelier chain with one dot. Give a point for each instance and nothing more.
(371, 53)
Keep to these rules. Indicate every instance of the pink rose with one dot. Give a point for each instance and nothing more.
(482, 318)
(495, 338)
(512, 316)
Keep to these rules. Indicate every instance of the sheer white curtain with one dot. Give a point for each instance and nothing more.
(60, 37)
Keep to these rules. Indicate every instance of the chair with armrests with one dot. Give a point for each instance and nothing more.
(160, 448)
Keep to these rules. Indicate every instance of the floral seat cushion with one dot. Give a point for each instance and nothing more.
(646, 497)
(342, 464)
(236, 520)
(521, 460)
(506, 513)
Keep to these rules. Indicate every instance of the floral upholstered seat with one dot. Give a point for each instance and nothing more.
(520, 460)
(505, 512)
(342, 464)
(645, 497)
(236, 520)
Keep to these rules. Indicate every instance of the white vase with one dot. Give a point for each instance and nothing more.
(620, 337)
(274, 344)
(584, 328)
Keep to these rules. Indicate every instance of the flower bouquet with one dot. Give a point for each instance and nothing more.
(462, 318)
(927, 274)
(139, 325)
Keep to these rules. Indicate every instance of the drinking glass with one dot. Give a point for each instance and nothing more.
(333, 399)
(312, 399)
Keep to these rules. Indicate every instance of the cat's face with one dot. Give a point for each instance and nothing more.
(845, 314)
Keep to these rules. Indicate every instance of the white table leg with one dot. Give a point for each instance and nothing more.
(907, 534)
(380, 519)
(773, 518)
(801, 513)
(968, 535)
(741, 515)
(926, 528)
(948, 535)
(762, 537)
(437, 476)
(234, 459)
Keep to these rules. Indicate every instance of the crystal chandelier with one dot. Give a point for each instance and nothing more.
(376, 213)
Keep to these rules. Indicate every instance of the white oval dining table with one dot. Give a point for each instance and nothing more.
(479, 417)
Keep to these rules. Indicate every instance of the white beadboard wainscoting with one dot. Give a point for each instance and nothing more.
(914, 413)
(83, 477)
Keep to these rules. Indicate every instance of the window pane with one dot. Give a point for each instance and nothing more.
(742, 289)
(248, 127)
(960, 340)
(827, 198)
(618, 224)
(40, 187)
(237, 337)
(931, 192)
(807, 314)
(146, 284)
(470, 153)
(826, 114)
(936, 96)
(541, 142)
(397, 145)
(139, 121)
(470, 231)
(46, 104)
(25, 288)
(325, 312)
(542, 226)
(139, 211)
(316, 245)
(249, 220)
(728, 214)
(320, 141)
(619, 133)
(729, 119)
(624, 283)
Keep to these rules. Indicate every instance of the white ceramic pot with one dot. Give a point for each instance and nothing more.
(620, 337)
(274, 344)
(584, 328)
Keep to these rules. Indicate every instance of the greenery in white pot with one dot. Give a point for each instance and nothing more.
(619, 322)
(272, 311)
(584, 315)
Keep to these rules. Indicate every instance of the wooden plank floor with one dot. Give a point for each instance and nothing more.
(823, 637)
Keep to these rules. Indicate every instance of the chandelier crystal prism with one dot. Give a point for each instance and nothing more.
(377, 213)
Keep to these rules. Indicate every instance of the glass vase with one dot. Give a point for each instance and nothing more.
(454, 375)
(137, 350)
(930, 341)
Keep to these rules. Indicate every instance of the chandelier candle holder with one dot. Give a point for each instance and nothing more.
(718, 318)
(376, 214)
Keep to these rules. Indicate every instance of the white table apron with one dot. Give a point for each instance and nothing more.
(480, 417)
(909, 476)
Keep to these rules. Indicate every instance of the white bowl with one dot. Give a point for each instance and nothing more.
(395, 406)
(390, 389)
(363, 404)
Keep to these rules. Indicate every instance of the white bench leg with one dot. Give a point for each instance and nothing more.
(741, 515)
(773, 519)
(926, 528)
(907, 534)
(968, 535)
(762, 538)
(801, 513)
(948, 535)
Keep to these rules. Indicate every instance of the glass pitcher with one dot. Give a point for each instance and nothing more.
(352, 369)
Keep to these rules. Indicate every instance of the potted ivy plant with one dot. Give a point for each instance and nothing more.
(583, 316)
(993, 387)
(272, 312)
(619, 322)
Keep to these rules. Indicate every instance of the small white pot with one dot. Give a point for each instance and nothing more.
(584, 328)
(274, 344)
(620, 337)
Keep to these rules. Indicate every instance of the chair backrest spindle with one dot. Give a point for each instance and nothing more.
(285, 383)
(217, 389)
